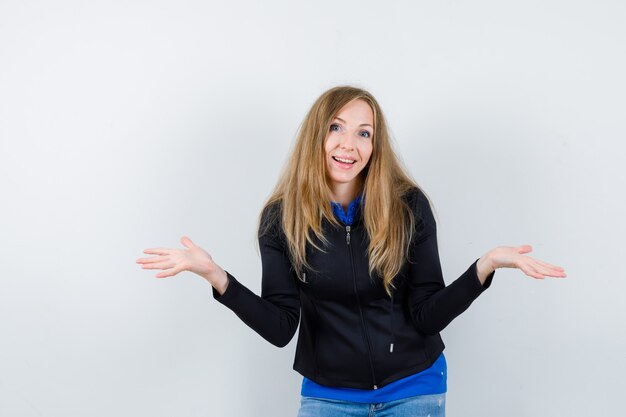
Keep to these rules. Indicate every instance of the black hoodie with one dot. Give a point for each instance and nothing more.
(352, 334)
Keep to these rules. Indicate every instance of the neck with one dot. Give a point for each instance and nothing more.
(345, 193)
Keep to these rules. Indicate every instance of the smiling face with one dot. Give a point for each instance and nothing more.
(348, 147)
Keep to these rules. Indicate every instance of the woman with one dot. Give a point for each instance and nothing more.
(349, 250)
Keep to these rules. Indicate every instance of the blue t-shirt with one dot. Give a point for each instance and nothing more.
(429, 381)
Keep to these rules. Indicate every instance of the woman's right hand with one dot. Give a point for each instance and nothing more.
(193, 259)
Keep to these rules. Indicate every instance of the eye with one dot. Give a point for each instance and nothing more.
(335, 127)
(365, 134)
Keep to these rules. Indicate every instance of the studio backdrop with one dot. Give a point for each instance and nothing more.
(125, 125)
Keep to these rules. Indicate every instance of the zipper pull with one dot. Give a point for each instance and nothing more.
(348, 235)
(391, 348)
(375, 386)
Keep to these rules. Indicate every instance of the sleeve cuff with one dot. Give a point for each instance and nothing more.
(230, 292)
(487, 283)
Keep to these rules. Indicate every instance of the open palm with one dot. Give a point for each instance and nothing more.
(172, 261)
(514, 257)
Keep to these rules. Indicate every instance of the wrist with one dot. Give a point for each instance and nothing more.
(219, 281)
(484, 267)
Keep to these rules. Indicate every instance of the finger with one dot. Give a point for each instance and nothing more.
(524, 249)
(531, 272)
(168, 273)
(547, 265)
(552, 273)
(547, 270)
(186, 242)
(150, 260)
(158, 251)
(162, 265)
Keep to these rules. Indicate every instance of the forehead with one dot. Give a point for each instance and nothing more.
(357, 111)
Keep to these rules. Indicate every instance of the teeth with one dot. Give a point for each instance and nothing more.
(347, 161)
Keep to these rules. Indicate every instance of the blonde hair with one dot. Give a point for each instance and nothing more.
(304, 194)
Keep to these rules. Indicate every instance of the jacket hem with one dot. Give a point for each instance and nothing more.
(433, 353)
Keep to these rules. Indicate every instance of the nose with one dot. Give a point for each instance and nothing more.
(347, 140)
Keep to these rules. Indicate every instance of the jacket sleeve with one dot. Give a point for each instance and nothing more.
(276, 313)
(433, 305)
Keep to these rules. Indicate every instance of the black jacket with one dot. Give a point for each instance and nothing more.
(352, 334)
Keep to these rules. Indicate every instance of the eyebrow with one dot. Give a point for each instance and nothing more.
(362, 124)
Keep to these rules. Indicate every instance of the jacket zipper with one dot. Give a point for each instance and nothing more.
(367, 338)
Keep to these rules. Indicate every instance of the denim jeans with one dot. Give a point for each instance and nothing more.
(432, 405)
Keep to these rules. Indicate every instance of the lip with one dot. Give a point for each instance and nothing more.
(343, 165)
(345, 157)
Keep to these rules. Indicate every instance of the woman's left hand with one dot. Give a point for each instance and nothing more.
(513, 257)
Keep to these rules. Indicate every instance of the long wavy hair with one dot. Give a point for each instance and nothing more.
(304, 193)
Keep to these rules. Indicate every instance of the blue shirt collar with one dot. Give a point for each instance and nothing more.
(347, 217)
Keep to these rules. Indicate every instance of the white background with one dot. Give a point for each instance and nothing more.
(125, 125)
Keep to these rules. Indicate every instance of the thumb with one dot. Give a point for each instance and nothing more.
(524, 249)
(186, 242)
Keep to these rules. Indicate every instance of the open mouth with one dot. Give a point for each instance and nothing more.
(344, 161)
